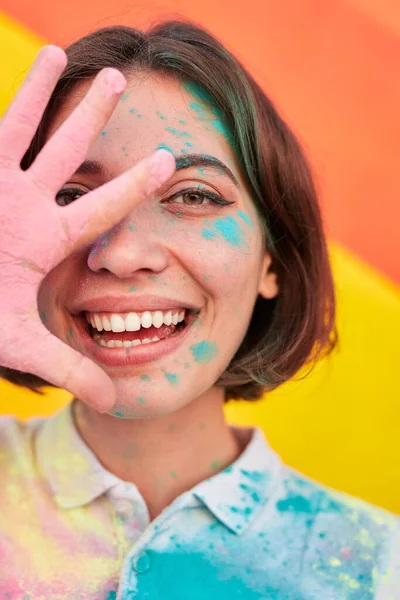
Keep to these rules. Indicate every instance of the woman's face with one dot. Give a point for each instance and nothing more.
(195, 252)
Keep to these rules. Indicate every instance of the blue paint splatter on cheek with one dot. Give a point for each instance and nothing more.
(204, 352)
(172, 378)
(207, 233)
(245, 218)
(230, 229)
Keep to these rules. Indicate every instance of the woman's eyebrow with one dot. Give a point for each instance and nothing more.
(93, 167)
(204, 160)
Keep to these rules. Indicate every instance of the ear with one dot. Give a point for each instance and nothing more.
(268, 287)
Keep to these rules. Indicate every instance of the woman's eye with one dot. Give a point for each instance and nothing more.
(68, 195)
(197, 197)
(193, 198)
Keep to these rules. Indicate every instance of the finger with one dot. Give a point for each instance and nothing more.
(106, 206)
(59, 364)
(67, 148)
(22, 118)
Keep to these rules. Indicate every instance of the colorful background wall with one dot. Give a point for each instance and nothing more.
(333, 69)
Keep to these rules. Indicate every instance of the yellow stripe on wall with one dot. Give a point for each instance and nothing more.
(18, 48)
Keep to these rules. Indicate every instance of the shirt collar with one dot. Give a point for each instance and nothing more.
(73, 472)
(237, 495)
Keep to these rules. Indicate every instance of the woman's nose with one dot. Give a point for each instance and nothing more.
(126, 249)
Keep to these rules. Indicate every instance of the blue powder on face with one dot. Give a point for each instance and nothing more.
(230, 229)
(177, 133)
(172, 378)
(207, 233)
(204, 352)
(245, 218)
(164, 147)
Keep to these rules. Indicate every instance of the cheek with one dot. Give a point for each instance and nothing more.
(219, 251)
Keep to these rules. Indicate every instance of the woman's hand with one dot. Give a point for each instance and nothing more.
(36, 234)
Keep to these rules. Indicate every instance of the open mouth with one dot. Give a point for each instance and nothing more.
(126, 330)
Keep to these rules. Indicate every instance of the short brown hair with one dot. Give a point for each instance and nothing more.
(298, 325)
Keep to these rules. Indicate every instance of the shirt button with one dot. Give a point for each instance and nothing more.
(141, 563)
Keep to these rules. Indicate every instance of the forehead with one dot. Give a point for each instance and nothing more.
(157, 111)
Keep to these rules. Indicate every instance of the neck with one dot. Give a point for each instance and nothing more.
(163, 456)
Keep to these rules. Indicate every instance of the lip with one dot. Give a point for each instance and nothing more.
(122, 304)
(135, 355)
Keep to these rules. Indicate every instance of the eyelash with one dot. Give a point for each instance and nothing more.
(215, 198)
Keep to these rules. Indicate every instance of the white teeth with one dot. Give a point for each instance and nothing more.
(158, 318)
(106, 324)
(132, 322)
(98, 324)
(117, 323)
(135, 343)
(146, 341)
(155, 339)
(146, 320)
(110, 344)
(118, 343)
(126, 344)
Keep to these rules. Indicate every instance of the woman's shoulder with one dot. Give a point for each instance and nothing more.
(16, 442)
(347, 541)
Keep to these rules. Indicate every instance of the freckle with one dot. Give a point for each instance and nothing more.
(139, 116)
(132, 288)
(173, 474)
(188, 144)
(165, 283)
(145, 377)
(119, 414)
(184, 277)
(105, 244)
(153, 278)
(132, 227)
(43, 317)
(227, 267)
(123, 97)
(142, 400)
(131, 110)
(103, 133)
(172, 427)
(187, 365)
(203, 425)
(102, 261)
(206, 277)
(123, 147)
(181, 121)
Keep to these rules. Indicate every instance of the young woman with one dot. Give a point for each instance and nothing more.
(162, 252)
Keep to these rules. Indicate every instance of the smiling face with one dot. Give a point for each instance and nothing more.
(195, 251)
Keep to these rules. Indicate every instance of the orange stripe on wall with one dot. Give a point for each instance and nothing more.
(333, 70)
